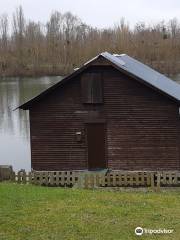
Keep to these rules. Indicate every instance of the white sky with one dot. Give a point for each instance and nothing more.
(99, 13)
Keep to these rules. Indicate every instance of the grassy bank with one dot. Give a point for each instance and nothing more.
(32, 212)
(38, 71)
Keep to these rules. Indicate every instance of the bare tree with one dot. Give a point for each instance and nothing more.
(34, 44)
(4, 31)
(18, 33)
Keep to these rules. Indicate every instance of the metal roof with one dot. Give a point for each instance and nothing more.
(130, 66)
(145, 73)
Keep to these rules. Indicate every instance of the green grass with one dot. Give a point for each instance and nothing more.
(33, 212)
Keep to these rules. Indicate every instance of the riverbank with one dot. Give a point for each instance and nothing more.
(35, 71)
(15, 70)
(34, 212)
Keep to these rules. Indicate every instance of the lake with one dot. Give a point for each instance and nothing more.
(14, 125)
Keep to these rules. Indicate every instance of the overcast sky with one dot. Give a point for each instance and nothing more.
(99, 13)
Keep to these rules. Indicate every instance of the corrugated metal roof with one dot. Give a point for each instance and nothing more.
(145, 73)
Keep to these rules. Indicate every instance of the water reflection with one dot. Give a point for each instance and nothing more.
(14, 125)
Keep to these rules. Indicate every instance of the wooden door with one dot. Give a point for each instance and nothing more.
(96, 146)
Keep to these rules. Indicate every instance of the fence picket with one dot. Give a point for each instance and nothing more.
(152, 180)
(68, 178)
(148, 179)
(176, 178)
(86, 181)
(158, 180)
(131, 179)
(125, 178)
(119, 183)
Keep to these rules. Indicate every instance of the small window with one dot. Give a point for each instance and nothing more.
(92, 88)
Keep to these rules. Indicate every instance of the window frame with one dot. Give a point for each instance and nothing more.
(85, 99)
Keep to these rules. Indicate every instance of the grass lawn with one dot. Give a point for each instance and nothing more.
(34, 212)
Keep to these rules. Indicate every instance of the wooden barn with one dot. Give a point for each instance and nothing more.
(112, 113)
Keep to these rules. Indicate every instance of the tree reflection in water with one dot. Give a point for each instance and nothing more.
(14, 125)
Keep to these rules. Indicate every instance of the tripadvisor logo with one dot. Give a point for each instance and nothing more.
(140, 231)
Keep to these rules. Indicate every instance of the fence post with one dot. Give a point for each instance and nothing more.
(19, 177)
(1, 178)
(12, 177)
(152, 180)
(158, 180)
(24, 176)
(86, 181)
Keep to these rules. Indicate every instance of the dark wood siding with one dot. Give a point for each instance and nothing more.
(54, 122)
(142, 126)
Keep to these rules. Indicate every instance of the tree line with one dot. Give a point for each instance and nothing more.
(65, 42)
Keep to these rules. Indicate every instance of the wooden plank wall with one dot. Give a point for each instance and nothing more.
(143, 126)
(54, 123)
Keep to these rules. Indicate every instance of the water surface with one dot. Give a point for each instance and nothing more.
(14, 125)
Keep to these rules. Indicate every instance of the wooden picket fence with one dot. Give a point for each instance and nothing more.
(89, 179)
(46, 178)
